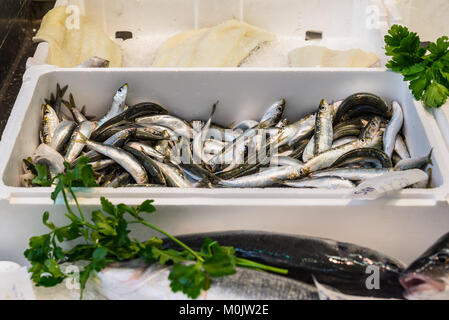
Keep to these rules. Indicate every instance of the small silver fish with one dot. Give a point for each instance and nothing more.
(46, 155)
(393, 128)
(76, 144)
(331, 183)
(118, 105)
(401, 148)
(323, 128)
(123, 158)
(62, 135)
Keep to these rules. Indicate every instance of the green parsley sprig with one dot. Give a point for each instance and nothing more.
(105, 239)
(426, 67)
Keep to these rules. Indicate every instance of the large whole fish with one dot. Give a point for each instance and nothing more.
(428, 276)
(342, 266)
(136, 280)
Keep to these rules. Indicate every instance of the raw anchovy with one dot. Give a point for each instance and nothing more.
(273, 115)
(118, 181)
(77, 143)
(173, 176)
(401, 148)
(323, 128)
(180, 127)
(101, 164)
(372, 153)
(198, 140)
(126, 117)
(50, 123)
(62, 135)
(265, 178)
(309, 151)
(45, 155)
(342, 141)
(328, 158)
(285, 161)
(149, 164)
(416, 163)
(123, 158)
(393, 128)
(321, 182)
(361, 99)
(147, 150)
(353, 174)
(116, 140)
(118, 105)
(389, 182)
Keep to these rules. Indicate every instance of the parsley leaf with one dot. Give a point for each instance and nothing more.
(427, 68)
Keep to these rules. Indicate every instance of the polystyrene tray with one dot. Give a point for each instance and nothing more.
(345, 24)
(401, 224)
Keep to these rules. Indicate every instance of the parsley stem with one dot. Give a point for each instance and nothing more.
(255, 265)
(149, 225)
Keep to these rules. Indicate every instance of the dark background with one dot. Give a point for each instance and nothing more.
(19, 21)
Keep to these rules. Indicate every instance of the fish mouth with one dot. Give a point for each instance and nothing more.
(415, 283)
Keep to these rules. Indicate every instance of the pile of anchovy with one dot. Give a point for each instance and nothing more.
(345, 144)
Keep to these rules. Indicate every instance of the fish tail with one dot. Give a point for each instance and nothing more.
(429, 157)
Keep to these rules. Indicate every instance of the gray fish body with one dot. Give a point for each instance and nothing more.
(428, 276)
(332, 183)
(62, 135)
(173, 176)
(50, 123)
(327, 158)
(323, 128)
(46, 155)
(273, 115)
(180, 127)
(309, 151)
(117, 140)
(101, 164)
(265, 178)
(148, 150)
(353, 174)
(401, 148)
(77, 143)
(118, 181)
(413, 163)
(393, 128)
(124, 159)
(299, 130)
(342, 141)
(94, 62)
(136, 281)
(118, 105)
(246, 125)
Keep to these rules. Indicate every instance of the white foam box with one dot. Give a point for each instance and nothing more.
(346, 24)
(401, 224)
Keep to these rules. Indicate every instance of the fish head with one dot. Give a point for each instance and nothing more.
(428, 276)
(121, 93)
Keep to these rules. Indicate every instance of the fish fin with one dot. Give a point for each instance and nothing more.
(429, 157)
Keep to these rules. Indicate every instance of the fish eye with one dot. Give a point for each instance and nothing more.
(362, 140)
(442, 258)
(373, 124)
